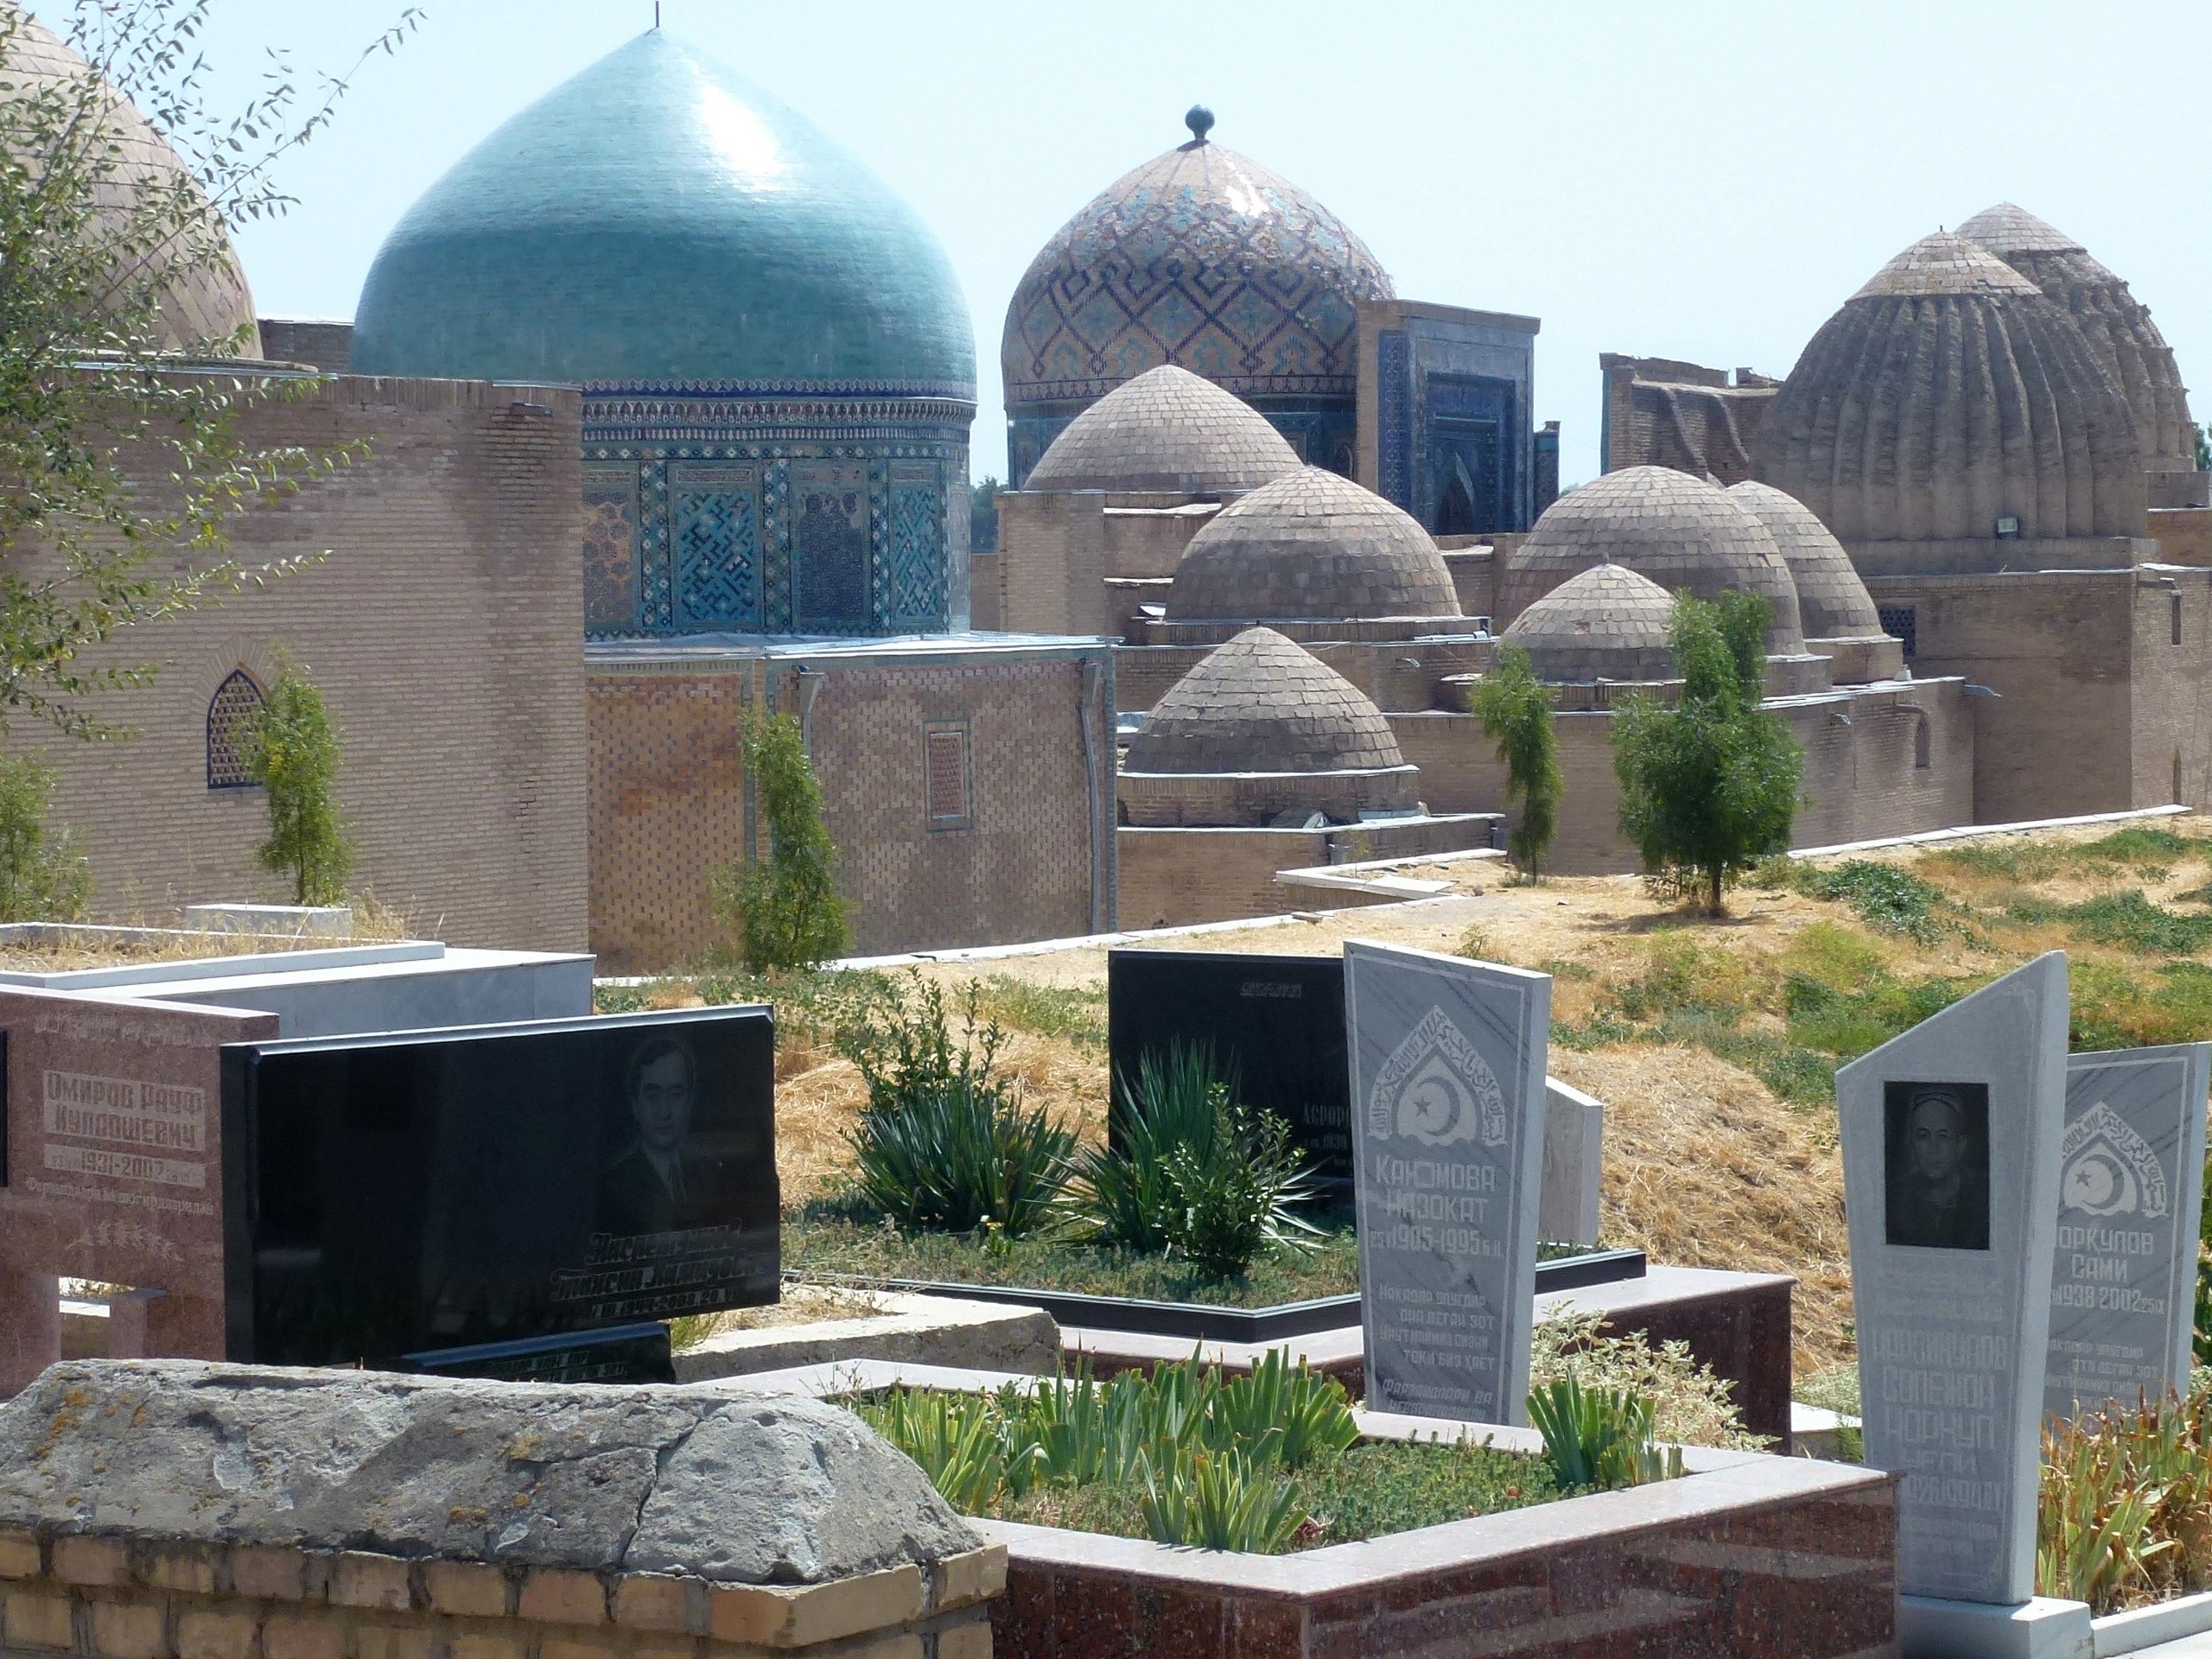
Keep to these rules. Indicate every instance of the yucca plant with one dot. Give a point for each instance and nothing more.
(1599, 1438)
(1307, 1417)
(1220, 1500)
(955, 1438)
(1171, 1101)
(2124, 1510)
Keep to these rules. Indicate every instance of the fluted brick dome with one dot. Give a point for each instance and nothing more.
(205, 304)
(1678, 531)
(1260, 703)
(1310, 546)
(1948, 392)
(2116, 325)
(1168, 430)
(1607, 623)
(1833, 602)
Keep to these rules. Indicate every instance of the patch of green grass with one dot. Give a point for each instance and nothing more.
(2129, 920)
(1071, 1014)
(622, 999)
(2019, 861)
(2151, 853)
(1883, 896)
(1375, 1489)
(1559, 968)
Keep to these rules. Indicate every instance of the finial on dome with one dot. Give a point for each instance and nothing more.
(1199, 120)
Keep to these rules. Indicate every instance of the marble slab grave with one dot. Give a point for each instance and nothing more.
(1448, 1087)
(1950, 1163)
(2131, 1192)
(1574, 1160)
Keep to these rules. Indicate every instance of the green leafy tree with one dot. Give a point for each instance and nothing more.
(42, 879)
(1711, 785)
(292, 751)
(983, 515)
(785, 909)
(2203, 448)
(1516, 713)
(97, 246)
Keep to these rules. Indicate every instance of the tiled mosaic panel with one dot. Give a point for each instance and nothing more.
(916, 568)
(830, 541)
(1393, 408)
(656, 577)
(715, 526)
(610, 548)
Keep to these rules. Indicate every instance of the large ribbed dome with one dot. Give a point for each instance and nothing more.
(1311, 547)
(1678, 531)
(658, 219)
(1168, 430)
(1948, 393)
(1606, 624)
(1260, 703)
(205, 303)
(1833, 602)
(1202, 258)
(2116, 325)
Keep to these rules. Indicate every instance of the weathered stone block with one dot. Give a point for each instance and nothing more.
(276, 1574)
(645, 1601)
(201, 1635)
(18, 1555)
(965, 1641)
(977, 1576)
(465, 1588)
(38, 1618)
(290, 1636)
(774, 1615)
(563, 1598)
(130, 1629)
(90, 1561)
(364, 1580)
(189, 1571)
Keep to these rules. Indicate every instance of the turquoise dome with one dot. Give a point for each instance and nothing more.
(657, 221)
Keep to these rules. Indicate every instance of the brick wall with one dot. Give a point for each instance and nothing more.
(2170, 688)
(668, 801)
(1052, 566)
(100, 1597)
(445, 631)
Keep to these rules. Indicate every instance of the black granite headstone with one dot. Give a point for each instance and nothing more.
(1279, 1020)
(623, 1353)
(385, 1196)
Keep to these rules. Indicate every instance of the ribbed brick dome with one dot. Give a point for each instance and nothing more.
(1260, 703)
(1310, 546)
(1833, 602)
(1608, 623)
(1948, 392)
(1677, 531)
(2116, 325)
(1168, 430)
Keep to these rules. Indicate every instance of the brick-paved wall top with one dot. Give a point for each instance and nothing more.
(183, 1510)
(445, 629)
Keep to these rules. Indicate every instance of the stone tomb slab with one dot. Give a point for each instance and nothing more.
(113, 1167)
(2130, 1194)
(447, 1189)
(1447, 1067)
(1279, 1020)
(1950, 1158)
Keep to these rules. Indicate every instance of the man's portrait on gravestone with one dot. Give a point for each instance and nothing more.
(659, 1182)
(1935, 1175)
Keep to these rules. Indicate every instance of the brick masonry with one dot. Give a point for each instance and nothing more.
(444, 628)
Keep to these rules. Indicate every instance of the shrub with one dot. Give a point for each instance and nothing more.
(1689, 1405)
(785, 909)
(1516, 714)
(42, 879)
(1599, 1438)
(943, 1142)
(291, 750)
(1196, 1172)
(1881, 895)
(2124, 1506)
(1709, 786)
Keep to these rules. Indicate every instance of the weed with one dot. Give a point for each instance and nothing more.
(622, 999)
(1883, 896)
(1072, 1014)
(1559, 968)
(2126, 918)
(2124, 1496)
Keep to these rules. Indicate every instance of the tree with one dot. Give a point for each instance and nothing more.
(785, 909)
(1709, 785)
(41, 878)
(983, 516)
(1516, 712)
(96, 243)
(292, 751)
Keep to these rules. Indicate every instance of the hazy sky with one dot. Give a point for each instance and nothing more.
(1699, 182)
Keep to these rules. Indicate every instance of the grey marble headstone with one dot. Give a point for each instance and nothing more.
(2131, 1188)
(1950, 1171)
(1575, 1147)
(1447, 1089)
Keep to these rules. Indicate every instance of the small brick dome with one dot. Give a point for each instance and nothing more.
(1831, 601)
(1678, 531)
(1310, 546)
(1607, 623)
(1260, 703)
(1168, 430)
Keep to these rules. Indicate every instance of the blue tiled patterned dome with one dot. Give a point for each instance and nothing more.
(658, 220)
(1203, 258)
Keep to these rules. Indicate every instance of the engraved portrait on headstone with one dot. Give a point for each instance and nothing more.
(1936, 1165)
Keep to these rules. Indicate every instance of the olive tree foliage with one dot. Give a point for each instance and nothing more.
(122, 459)
(785, 909)
(1710, 785)
(291, 750)
(1516, 714)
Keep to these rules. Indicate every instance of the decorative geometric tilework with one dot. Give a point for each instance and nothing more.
(715, 526)
(236, 701)
(948, 775)
(829, 545)
(656, 577)
(610, 548)
(916, 563)
(1394, 397)
(1903, 622)
(1467, 464)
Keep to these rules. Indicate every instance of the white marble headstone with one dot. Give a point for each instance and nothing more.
(1574, 1165)
(2131, 1188)
(1950, 1168)
(1447, 1089)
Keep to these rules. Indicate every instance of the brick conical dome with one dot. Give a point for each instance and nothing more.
(1831, 601)
(1606, 624)
(1171, 431)
(1260, 703)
